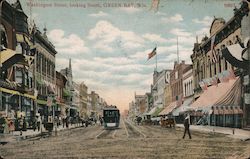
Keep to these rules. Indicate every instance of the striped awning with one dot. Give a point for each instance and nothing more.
(169, 108)
(227, 110)
(225, 93)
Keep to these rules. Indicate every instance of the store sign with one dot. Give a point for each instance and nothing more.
(246, 80)
(247, 98)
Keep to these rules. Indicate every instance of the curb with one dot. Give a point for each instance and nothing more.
(240, 137)
(44, 133)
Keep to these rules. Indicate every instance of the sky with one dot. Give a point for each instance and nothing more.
(109, 40)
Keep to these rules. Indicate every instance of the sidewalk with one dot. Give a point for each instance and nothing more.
(15, 136)
(231, 132)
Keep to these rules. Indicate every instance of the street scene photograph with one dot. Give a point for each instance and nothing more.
(125, 79)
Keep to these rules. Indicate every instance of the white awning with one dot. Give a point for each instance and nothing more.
(184, 107)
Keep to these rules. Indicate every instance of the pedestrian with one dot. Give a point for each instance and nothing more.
(24, 124)
(60, 120)
(11, 126)
(21, 125)
(186, 126)
(34, 124)
(6, 125)
(39, 121)
(67, 122)
(63, 121)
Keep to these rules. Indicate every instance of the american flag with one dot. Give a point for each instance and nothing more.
(213, 56)
(152, 53)
(155, 5)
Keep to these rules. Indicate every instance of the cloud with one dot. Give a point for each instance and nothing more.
(160, 13)
(154, 38)
(129, 10)
(206, 21)
(203, 31)
(99, 14)
(106, 36)
(180, 32)
(71, 44)
(174, 19)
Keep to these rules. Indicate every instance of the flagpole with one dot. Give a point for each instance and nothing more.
(177, 51)
(156, 58)
(156, 62)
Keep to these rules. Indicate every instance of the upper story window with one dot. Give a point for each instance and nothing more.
(176, 75)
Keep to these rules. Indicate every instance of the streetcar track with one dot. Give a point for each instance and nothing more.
(106, 134)
(133, 132)
(75, 145)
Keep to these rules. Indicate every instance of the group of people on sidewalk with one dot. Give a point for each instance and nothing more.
(9, 125)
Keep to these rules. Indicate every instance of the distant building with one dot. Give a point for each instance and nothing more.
(188, 89)
(60, 100)
(45, 73)
(160, 79)
(176, 81)
(83, 99)
(140, 104)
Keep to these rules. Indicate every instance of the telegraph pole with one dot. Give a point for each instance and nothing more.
(177, 51)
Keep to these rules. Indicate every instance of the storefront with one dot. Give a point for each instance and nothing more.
(14, 104)
(179, 112)
(219, 105)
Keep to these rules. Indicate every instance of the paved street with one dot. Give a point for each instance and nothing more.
(127, 142)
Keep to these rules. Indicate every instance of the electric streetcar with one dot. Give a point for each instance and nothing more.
(111, 117)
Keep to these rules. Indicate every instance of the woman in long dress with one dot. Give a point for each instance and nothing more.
(6, 125)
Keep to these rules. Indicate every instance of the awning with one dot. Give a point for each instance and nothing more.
(169, 108)
(19, 38)
(14, 92)
(226, 93)
(9, 91)
(184, 107)
(152, 111)
(157, 111)
(227, 110)
(42, 102)
(66, 93)
(9, 57)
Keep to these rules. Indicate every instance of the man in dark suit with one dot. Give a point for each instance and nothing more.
(186, 125)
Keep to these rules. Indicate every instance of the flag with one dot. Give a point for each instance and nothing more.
(151, 54)
(203, 85)
(231, 74)
(213, 56)
(224, 76)
(215, 81)
(155, 5)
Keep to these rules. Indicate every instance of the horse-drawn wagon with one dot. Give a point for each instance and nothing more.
(169, 122)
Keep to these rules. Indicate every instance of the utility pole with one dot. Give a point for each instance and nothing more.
(177, 51)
